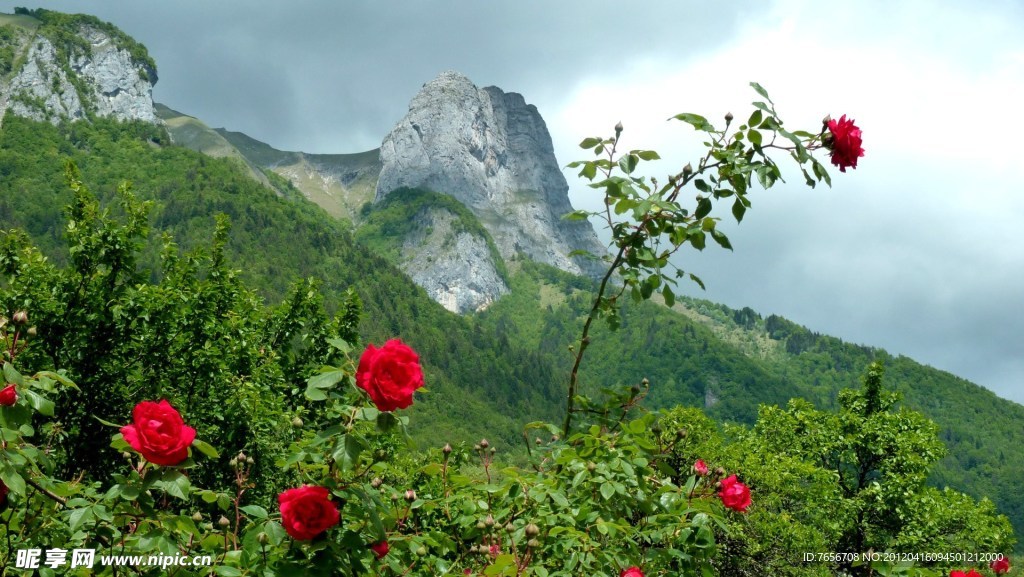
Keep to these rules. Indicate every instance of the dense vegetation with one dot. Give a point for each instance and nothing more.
(274, 241)
(62, 29)
(226, 326)
(728, 362)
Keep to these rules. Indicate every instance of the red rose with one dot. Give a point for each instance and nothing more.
(390, 374)
(1000, 566)
(632, 572)
(307, 511)
(844, 143)
(380, 549)
(8, 396)
(970, 573)
(700, 468)
(158, 433)
(734, 495)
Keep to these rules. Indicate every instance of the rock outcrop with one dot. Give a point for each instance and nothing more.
(492, 152)
(456, 267)
(97, 77)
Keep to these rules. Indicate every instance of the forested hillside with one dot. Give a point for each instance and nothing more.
(274, 241)
(729, 362)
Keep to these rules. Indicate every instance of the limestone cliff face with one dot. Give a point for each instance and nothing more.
(492, 152)
(103, 79)
(454, 266)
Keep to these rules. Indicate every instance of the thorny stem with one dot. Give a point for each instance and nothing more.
(585, 340)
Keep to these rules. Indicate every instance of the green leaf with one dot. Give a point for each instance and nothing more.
(697, 280)
(738, 210)
(107, 423)
(40, 403)
(386, 421)
(174, 484)
(316, 395)
(78, 517)
(10, 477)
(577, 215)
(255, 511)
(347, 452)
(697, 239)
(13, 376)
(755, 118)
(628, 163)
(647, 154)
(590, 142)
(607, 490)
(670, 297)
(205, 448)
(721, 239)
(328, 377)
(589, 170)
(697, 121)
(764, 93)
(340, 344)
(703, 208)
(754, 137)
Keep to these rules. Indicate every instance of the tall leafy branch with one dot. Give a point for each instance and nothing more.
(650, 222)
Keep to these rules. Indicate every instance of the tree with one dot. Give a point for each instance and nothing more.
(878, 456)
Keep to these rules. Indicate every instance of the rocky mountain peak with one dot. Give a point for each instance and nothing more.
(73, 67)
(492, 152)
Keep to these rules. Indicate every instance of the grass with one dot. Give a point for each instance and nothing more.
(21, 20)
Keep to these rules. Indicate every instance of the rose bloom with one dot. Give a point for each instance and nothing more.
(8, 396)
(970, 573)
(307, 511)
(1000, 566)
(158, 433)
(700, 467)
(845, 143)
(380, 549)
(734, 494)
(632, 572)
(390, 374)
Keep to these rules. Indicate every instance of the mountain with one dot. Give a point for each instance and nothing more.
(490, 371)
(491, 151)
(95, 70)
(485, 148)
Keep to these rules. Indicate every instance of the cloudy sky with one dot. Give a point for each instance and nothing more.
(917, 251)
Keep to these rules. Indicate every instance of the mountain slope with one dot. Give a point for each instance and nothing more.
(729, 362)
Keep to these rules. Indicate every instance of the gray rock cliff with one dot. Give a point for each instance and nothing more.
(105, 80)
(492, 152)
(455, 267)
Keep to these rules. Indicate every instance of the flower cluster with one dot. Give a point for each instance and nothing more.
(389, 375)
